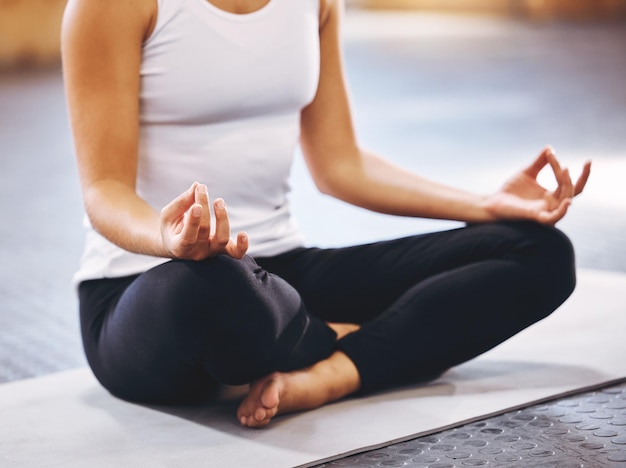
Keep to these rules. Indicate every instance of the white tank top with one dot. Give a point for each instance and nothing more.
(220, 101)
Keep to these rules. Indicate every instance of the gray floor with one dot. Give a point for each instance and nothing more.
(41, 236)
(585, 430)
(462, 100)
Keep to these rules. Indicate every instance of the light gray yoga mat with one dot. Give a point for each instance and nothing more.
(68, 420)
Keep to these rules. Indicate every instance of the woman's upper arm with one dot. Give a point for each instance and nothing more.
(101, 49)
(328, 139)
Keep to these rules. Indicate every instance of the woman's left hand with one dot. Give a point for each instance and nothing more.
(523, 198)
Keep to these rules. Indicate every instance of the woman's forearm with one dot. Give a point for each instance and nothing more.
(376, 184)
(117, 213)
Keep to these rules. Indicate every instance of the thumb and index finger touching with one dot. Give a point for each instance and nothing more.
(565, 189)
(179, 206)
(193, 205)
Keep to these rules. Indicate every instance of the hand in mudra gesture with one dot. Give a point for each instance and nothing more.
(187, 231)
(523, 198)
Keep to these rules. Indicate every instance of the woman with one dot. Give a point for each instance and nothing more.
(165, 92)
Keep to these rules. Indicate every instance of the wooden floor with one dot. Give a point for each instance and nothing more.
(579, 10)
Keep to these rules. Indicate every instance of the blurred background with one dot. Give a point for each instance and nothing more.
(464, 91)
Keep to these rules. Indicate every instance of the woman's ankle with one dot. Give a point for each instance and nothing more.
(337, 376)
(343, 329)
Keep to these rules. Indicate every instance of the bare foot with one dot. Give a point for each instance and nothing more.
(281, 393)
(342, 329)
(261, 403)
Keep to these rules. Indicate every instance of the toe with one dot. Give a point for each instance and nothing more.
(260, 414)
(270, 395)
(252, 422)
(271, 412)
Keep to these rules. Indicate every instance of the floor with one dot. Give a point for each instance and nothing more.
(467, 100)
(586, 430)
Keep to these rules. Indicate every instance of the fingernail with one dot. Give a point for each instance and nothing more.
(202, 188)
(219, 203)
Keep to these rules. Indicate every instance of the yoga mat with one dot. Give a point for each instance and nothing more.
(68, 420)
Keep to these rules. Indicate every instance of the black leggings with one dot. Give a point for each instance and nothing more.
(425, 303)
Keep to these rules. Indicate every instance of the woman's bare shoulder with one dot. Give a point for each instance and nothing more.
(130, 18)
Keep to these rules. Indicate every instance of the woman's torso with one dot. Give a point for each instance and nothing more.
(220, 102)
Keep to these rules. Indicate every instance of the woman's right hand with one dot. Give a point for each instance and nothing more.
(187, 232)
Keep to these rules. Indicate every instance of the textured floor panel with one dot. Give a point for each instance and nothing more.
(37, 343)
(586, 430)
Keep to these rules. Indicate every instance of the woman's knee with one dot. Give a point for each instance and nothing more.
(552, 255)
(250, 322)
(204, 311)
(554, 246)
(186, 289)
